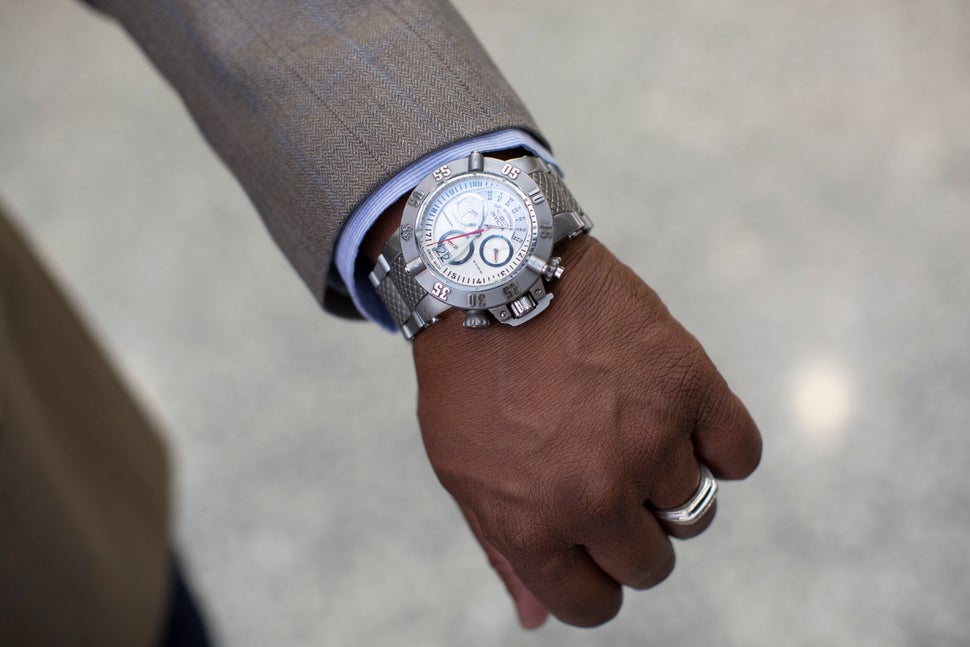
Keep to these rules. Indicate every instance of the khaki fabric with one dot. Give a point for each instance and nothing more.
(84, 529)
(313, 106)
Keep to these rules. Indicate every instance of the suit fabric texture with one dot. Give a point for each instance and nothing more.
(313, 105)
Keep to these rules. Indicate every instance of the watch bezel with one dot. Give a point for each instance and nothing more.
(505, 291)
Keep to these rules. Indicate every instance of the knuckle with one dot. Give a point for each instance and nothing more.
(517, 533)
(750, 458)
(692, 373)
(737, 438)
(531, 538)
(655, 572)
(685, 377)
(591, 496)
(593, 613)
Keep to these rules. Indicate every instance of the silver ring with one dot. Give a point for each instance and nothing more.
(698, 504)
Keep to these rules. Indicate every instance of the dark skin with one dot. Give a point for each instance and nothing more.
(570, 429)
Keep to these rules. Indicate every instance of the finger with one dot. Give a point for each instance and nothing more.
(532, 613)
(639, 556)
(677, 483)
(726, 439)
(571, 586)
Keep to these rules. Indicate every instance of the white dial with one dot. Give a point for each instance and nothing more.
(476, 231)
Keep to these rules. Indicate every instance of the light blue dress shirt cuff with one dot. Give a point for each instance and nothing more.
(363, 218)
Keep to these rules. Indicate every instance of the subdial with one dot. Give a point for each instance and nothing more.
(455, 247)
(469, 211)
(496, 250)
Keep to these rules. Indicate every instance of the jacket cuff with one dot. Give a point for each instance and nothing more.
(349, 282)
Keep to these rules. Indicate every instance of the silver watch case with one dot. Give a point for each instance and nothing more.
(513, 301)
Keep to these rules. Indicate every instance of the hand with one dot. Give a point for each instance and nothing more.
(557, 437)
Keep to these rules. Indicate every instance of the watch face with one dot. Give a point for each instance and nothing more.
(476, 231)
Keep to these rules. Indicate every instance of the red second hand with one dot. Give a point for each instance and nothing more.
(470, 233)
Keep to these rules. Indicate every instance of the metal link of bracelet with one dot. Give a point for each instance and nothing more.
(410, 305)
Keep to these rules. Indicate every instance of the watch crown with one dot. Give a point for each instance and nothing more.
(553, 270)
(475, 319)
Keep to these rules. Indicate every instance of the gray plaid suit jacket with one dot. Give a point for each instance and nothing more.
(313, 104)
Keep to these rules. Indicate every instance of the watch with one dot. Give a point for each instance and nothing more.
(477, 235)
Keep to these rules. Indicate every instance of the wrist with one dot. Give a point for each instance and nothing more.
(382, 229)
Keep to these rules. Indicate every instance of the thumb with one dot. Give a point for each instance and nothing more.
(532, 613)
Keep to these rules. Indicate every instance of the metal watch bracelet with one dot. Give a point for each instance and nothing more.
(413, 308)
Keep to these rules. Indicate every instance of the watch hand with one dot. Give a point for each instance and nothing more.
(451, 238)
(458, 245)
(499, 219)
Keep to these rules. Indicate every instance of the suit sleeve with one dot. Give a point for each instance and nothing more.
(314, 104)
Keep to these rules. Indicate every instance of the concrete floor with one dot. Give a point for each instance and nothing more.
(793, 178)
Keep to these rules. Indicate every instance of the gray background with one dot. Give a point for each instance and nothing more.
(793, 178)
